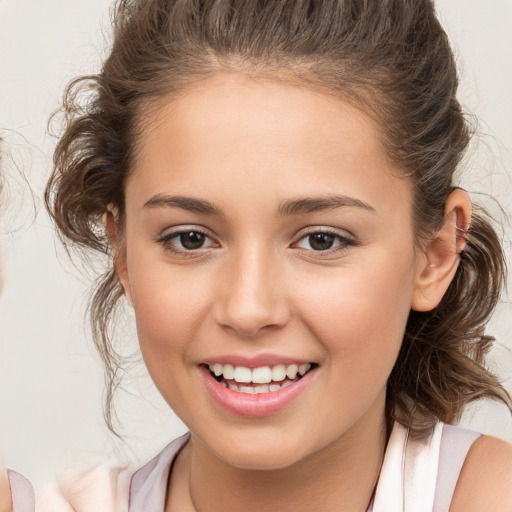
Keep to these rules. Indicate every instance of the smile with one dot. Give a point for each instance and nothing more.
(257, 391)
(259, 380)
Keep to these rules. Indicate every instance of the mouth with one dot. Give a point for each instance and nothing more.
(259, 380)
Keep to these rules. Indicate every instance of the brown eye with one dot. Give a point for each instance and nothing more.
(321, 241)
(325, 242)
(192, 240)
(188, 241)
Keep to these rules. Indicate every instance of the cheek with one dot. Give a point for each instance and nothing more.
(170, 305)
(359, 314)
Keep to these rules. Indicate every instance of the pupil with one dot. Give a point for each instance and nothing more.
(192, 240)
(321, 241)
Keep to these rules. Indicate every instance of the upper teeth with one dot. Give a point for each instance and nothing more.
(259, 375)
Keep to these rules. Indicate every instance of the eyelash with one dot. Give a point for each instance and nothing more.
(167, 242)
(344, 242)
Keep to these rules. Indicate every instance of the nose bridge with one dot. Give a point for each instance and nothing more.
(253, 296)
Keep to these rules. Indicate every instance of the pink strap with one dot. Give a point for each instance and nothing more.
(23, 498)
(148, 485)
(455, 445)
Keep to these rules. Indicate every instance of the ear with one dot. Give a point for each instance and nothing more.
(111, 223)
(441, 257)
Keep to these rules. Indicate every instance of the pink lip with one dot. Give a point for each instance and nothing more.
(254, 361)
(257, 405)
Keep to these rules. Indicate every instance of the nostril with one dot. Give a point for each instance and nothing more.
(251, 324)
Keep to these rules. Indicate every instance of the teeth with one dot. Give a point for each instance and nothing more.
(242, 374)
(232, 385)
(255, 390)
(291, 371)
(279, 373)
(303, 368)
(228, 371)
(261, 374)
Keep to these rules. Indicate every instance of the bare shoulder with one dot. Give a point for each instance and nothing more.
(5, 492)
(485, 482)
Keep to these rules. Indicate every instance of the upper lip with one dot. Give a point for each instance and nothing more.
(255, 361)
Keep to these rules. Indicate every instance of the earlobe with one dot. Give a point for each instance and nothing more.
(111, 223)
(441, 257)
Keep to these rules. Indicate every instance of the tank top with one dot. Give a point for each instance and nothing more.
(420, 474)
(417, 475)
(21, 491)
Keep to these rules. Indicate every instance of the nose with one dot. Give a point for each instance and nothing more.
(253, 294)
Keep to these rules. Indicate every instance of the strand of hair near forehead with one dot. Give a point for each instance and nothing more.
(390, 58)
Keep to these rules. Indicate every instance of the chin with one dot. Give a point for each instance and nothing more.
(261, 459)
(261, 451)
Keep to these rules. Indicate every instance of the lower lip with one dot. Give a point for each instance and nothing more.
(256, 405)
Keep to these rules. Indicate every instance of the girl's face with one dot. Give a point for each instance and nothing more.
(267, 236)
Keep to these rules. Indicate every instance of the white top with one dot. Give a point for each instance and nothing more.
(420, 474)
(417, 475)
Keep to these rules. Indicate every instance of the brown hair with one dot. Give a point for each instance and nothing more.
(391, 57)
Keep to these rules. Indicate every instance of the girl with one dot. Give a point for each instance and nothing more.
(273, 181)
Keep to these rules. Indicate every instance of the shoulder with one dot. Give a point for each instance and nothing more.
(5, 492)
(485, 482)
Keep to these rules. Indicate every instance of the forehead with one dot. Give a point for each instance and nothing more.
(232, 132)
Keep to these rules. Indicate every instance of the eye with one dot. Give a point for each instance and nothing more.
(191, 240)
(186, 240)
(320, 241)
(324, 241)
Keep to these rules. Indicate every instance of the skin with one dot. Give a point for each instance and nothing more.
(486, 478)
(5, 492)
(258, 287)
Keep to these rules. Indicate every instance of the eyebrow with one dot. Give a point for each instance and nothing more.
(316, 204)
(190, 204)
(290, 207)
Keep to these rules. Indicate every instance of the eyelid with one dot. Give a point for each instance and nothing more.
(182, 228)
(172, 233)
(341, 233)
(347, 240)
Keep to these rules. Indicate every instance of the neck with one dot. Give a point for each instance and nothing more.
(340, 476)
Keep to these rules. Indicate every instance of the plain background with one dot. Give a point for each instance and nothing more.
(50, 377)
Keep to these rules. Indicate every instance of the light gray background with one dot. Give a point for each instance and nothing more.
(50, 377)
